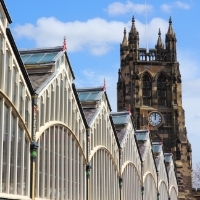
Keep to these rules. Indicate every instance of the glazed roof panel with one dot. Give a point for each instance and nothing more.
(38, 58)
(120, 119)
(168, 157)
(157, 148)
(48, 57)
(142, 135)
(89, 96)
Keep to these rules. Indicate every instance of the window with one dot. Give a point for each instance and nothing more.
(146, 89)
(1, 46)
(47, 107)
(61, 99)
(52, 104)
(42, 112)
(27, 112)
(16, 153)
(6, 83)
(12, 153)
(14, 74)
(162, 90)
(19, 159)
(168, 119)
(2, 18)
(5, 147)
(20, 98)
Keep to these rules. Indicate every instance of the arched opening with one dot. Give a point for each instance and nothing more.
(131, 188)
(146, 89)
(173, 193)
(104, 177)
(60, 166)
(162, 90)
(163, 191)
(150, 191)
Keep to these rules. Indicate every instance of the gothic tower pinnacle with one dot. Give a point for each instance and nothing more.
(133, 40)
(124, 42)
(170, 41)
(159, 41)
(133, 34)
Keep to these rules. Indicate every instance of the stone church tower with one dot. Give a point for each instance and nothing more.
(149, 85)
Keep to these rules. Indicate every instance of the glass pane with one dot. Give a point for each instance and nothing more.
(141, 136)
(34, 58)
(41, 164)
(93, 96)
(120, 119)
(26, 111)
(20, 98)
(26, 172)
(83, 96)
(5, 145)
(88, 96)
(12, 155)
(157, 148)
(14, 74)
(19, 156)
(25, 57)
(7, 72)
(1, 17)
(48, 57)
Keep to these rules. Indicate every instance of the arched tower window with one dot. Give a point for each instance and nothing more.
(162, 90)
(146, 89)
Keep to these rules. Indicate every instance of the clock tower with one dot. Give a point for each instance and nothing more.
(150, 84)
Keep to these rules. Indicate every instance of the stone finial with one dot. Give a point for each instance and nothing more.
(133, 19)
(170, 20)
(159, 32)
(124, 42)
(133, 28)
(159, 42)
(170, 29)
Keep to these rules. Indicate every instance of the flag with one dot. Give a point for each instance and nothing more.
(104, 85)
(64, 44)
(129, 109)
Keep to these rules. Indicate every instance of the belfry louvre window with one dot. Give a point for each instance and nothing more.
(162, 90)
(146, 90)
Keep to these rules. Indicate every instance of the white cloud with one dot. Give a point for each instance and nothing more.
(152, 31)
(166, 8)
(178, 4)
(118, 8)
(96, 35)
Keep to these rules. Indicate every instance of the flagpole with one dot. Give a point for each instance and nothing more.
(147, 48)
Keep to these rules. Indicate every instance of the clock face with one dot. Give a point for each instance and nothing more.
(155, 119)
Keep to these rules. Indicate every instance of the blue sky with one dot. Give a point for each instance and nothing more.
(94, 31)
